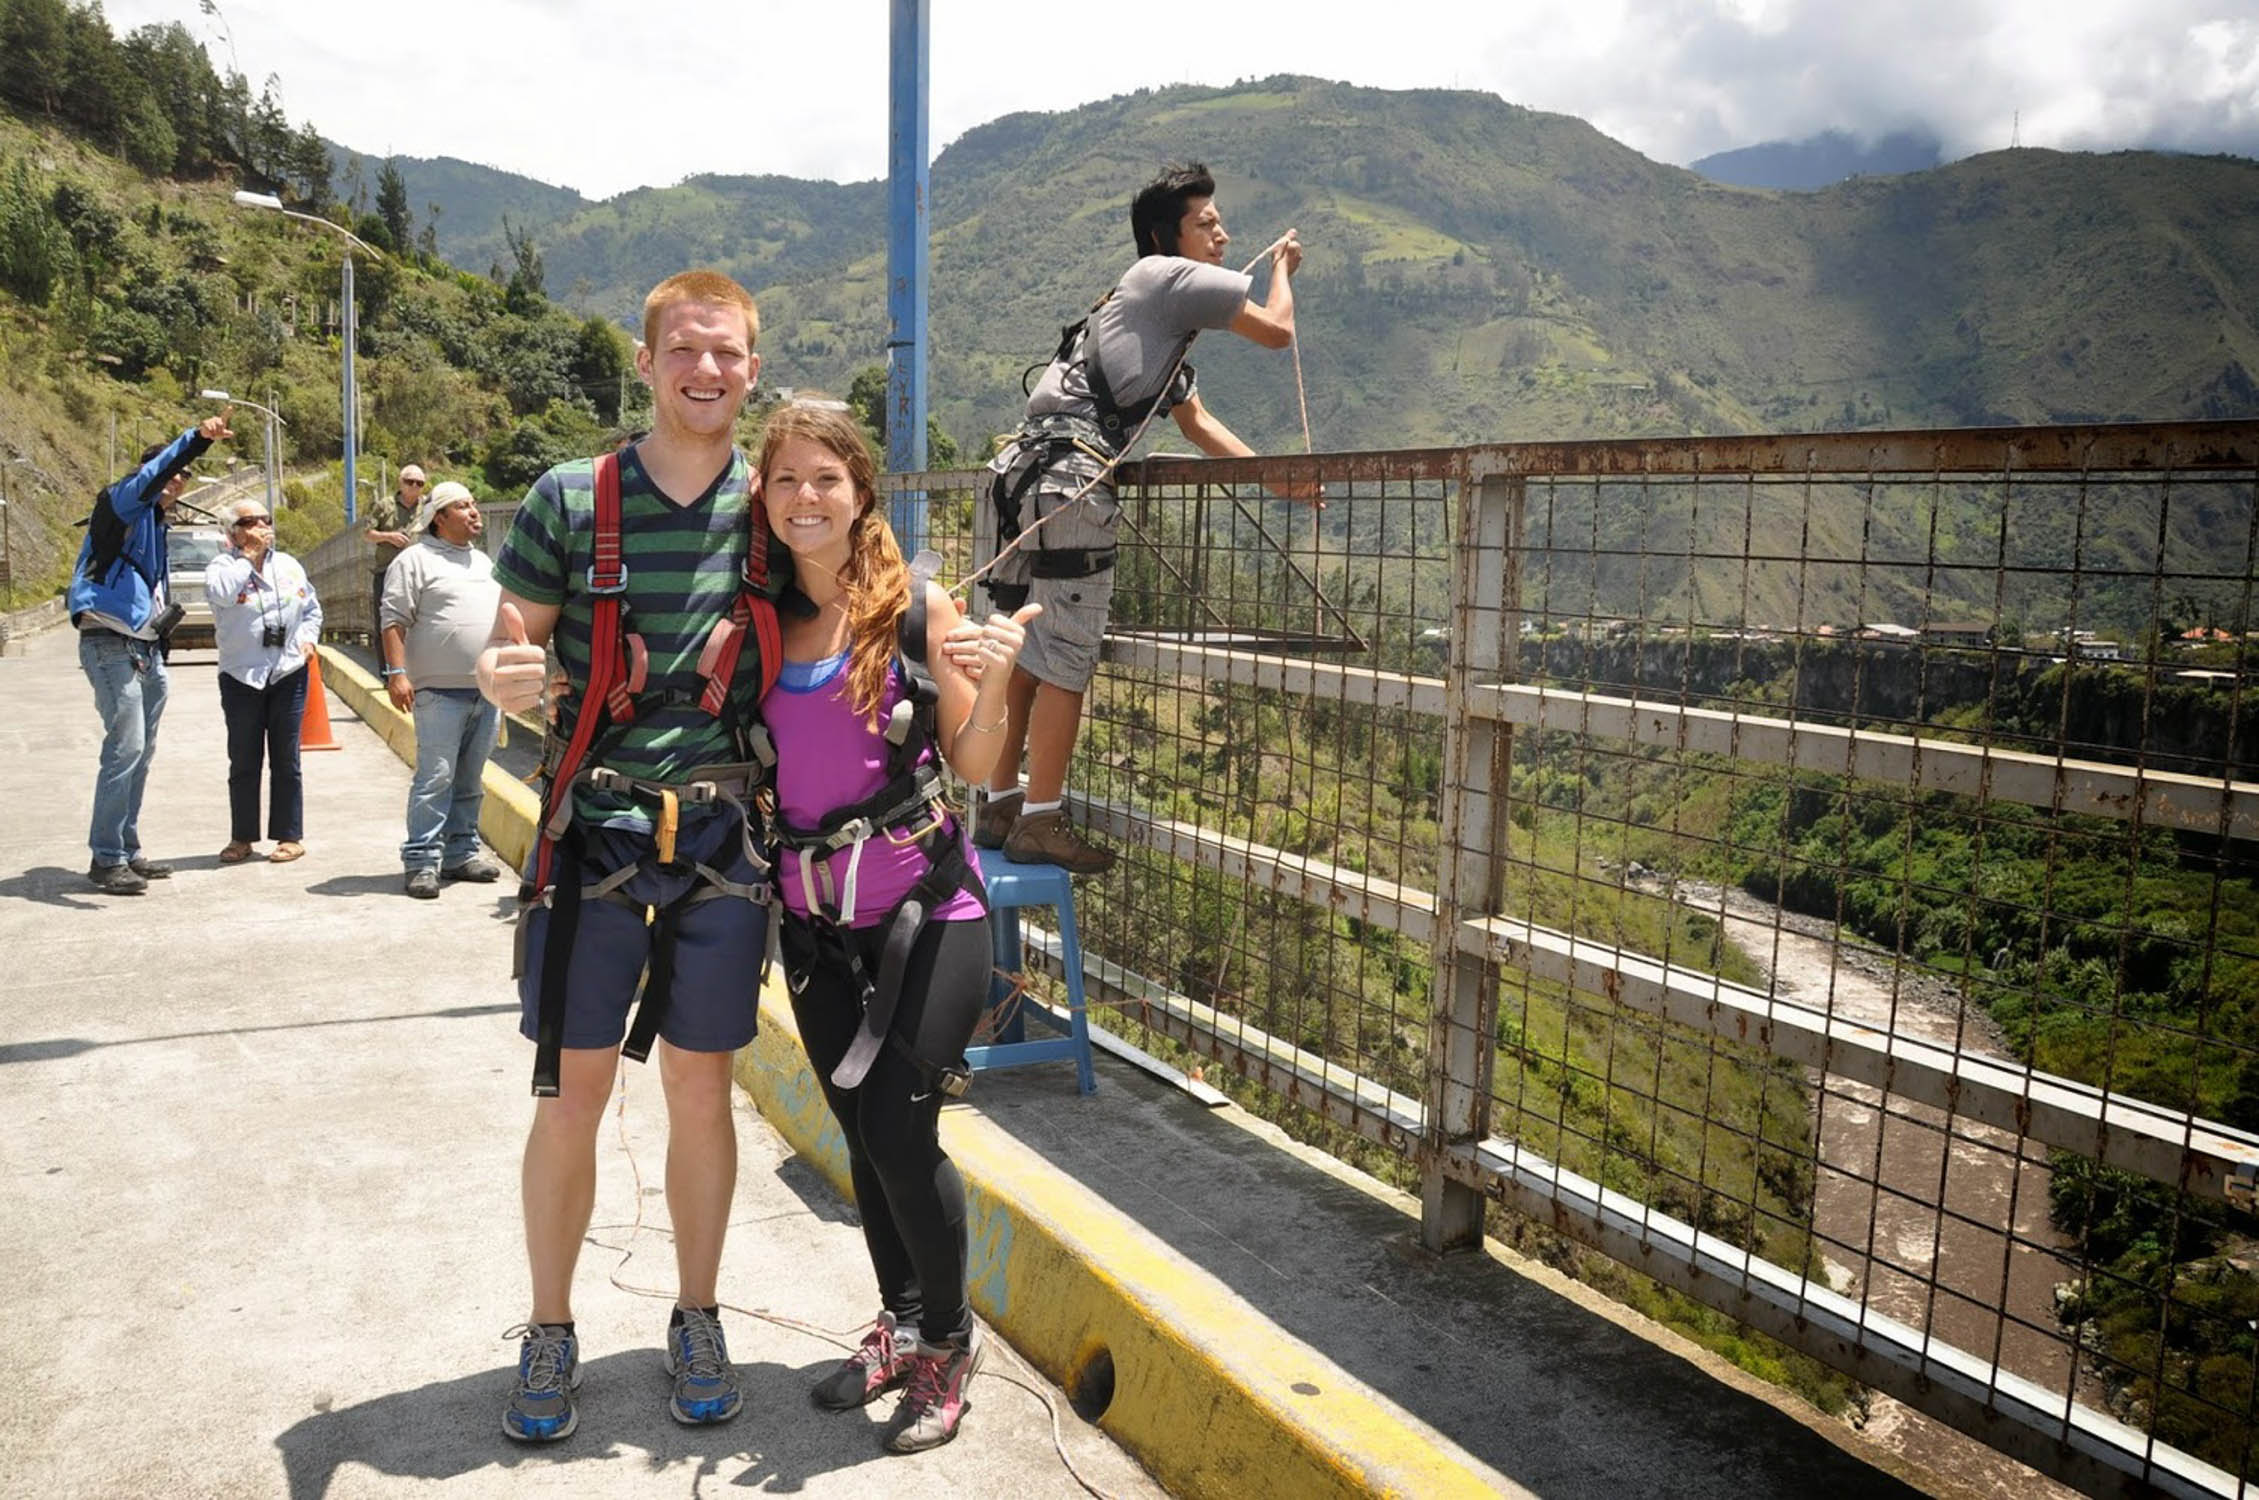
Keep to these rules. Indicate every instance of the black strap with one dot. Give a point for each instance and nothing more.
(556, 962)
(658, 980)
(948, 871)
(1069, 562)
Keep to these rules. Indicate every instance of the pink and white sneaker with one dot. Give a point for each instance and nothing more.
(935, 1402)
(877, 1366)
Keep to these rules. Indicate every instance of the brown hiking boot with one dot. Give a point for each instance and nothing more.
(1047, 838)
(993, 824)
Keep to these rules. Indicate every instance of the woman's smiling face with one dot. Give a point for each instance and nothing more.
(811, 499)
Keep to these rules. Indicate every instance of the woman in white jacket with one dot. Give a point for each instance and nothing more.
(267, 621)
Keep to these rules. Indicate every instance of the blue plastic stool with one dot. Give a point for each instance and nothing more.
(1011, 886)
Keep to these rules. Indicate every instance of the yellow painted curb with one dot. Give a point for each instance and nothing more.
(1209, 1395)
(506, 818)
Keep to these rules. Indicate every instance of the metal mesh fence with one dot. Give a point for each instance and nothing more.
(1817, 870)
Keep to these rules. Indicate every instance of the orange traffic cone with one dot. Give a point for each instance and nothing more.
(313, 727)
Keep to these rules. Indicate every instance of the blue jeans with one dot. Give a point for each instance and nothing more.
(262, 727)
(454, 734)
(129, 693)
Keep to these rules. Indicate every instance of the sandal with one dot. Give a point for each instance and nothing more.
(235, 853)
(286, 851)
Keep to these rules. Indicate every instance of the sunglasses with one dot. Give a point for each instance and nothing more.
(411, 484)
(254, 520)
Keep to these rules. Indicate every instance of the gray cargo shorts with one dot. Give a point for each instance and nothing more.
(1062, 642)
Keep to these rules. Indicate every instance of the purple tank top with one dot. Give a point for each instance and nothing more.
(829, 756)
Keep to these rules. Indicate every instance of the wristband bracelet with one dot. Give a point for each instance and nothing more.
(395, 671)
(978, 728)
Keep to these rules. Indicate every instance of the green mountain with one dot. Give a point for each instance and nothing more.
(464, 202)
(1482, 271)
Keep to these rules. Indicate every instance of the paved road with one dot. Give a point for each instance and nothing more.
(259, 1134)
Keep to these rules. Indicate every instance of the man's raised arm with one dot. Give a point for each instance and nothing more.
(1271, 322)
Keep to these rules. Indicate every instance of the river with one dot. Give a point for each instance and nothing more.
(1886, 1166)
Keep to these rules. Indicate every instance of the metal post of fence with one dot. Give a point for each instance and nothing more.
(1470, 857)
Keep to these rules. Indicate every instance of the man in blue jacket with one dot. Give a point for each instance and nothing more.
(118, 601)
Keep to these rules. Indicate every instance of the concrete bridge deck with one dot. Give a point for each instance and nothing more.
(259, 1133)
(260, 1127)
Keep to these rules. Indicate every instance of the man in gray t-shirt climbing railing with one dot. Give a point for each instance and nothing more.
(1124, 364)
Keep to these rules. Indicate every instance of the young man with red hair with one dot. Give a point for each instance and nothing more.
(653, 817)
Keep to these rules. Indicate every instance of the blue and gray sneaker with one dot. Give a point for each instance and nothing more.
(541, 1409)
(698, 1359)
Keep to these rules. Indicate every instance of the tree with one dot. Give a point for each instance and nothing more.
(180, 86)
(525, 293)
(34, 251)
(310, 167)
(392, 206)
(866, 398)
(147, 137)
(600, 362)
(98, 89)
(34, 52)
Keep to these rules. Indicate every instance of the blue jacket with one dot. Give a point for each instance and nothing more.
(128, 526)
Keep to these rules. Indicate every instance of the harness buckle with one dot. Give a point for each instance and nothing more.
(909, 836)
(952, 1082)
(700, 793)
(618, 584)
(605, 779)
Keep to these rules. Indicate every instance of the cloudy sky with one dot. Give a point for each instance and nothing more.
(800, 89)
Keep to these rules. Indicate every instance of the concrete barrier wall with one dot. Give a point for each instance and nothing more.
(507, 817)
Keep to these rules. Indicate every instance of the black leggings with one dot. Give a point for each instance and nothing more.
(907, 1189)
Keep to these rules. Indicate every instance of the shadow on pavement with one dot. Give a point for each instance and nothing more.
(815, 1192)
(52, 885)
(452, 1428)
(390, 883)
(49, 1049)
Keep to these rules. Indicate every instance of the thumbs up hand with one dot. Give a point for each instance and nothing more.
(974, 647)
(511, 672)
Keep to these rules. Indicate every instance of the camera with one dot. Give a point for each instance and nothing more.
(273, 636)
(168, 620)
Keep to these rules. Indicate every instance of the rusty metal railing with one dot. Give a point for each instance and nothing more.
(1820, 871)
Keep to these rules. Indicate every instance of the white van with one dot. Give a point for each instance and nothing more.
(187, 550)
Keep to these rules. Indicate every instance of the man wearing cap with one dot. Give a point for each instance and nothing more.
(392, 526)
(436, 610)
(120, 603)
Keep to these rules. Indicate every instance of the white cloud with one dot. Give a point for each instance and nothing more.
(603, 95)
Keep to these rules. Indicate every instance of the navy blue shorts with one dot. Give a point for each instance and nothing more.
(719, 946)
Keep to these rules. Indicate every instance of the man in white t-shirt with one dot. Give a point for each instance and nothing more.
(437, 610)
(1098, 389)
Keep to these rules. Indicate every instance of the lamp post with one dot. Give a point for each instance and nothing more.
(268, 447)
(347, 391)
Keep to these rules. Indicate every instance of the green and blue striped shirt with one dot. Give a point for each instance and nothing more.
(683, 563)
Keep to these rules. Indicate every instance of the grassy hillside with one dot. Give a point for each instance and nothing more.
(1482, 271)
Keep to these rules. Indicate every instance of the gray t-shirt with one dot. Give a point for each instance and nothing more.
(444, 598)
(1162, 301)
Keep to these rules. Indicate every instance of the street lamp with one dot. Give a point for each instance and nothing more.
(269, 449)
(272, 204)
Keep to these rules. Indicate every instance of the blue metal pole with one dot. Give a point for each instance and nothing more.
(908, 50)
(346, 391)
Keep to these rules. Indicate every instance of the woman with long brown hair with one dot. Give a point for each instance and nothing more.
(884, 933)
